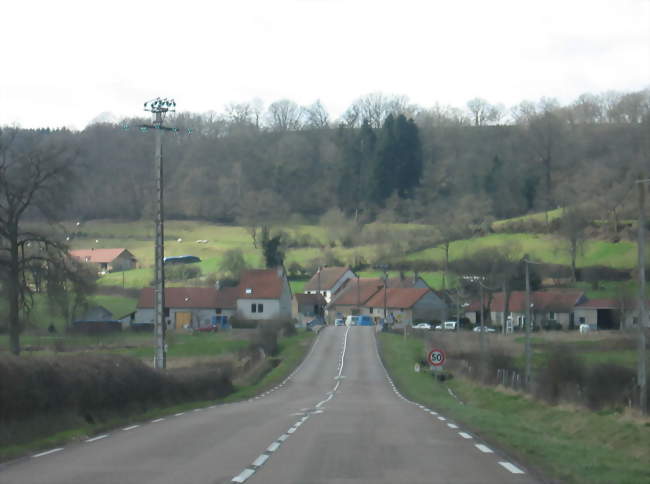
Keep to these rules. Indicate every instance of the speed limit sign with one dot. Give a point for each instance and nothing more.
(436, 357)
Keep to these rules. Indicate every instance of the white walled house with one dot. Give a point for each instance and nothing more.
(264, 294)
(328, 281)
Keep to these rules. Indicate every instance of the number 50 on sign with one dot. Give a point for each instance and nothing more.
(436, 357)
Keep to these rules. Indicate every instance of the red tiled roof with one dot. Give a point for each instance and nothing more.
(182, 297)
(397, 297)
(226, 297)
(353, 293)
(262, 283)
(310, 299)
(329, 276)
(98, 256)
(562, 301)
(599, 304)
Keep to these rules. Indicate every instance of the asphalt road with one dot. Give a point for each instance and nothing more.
(337, 419)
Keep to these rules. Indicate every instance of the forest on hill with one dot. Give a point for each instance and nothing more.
(384, 159)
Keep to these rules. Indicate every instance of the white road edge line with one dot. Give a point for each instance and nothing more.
(512, 468)
(465, 435)
(131, 427)
(245, 474)
(283, 437)
(48, 452)
(273, 447)
(452, 426)
(179, 414)
(260, 460)
(484, 448)
(94, 439)
(157, 420)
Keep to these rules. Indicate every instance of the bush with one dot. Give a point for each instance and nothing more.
(90, 384)
(609, 385)
(562, 378)
(182, 272)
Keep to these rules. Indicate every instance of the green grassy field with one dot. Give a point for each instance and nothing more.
(569, 444)
(538, 217)
(542, 248)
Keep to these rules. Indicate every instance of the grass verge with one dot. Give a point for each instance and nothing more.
(570, 444)
(292, 350)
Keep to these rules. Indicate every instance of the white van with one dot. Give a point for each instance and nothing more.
(450, 325)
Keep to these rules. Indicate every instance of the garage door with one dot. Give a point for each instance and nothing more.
(183, 319)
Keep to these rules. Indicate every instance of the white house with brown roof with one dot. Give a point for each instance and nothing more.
(306, 307)
(328, 280)
(106, 260)
(264, 294)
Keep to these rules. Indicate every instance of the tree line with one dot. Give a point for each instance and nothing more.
(383, 158)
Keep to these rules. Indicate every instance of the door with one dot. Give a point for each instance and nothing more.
(183, 319)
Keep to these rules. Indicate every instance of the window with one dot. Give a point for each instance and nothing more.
(260, 308)
(249, 291)
(551, 315)
(217, 311)
(253, 308)
(371, 310)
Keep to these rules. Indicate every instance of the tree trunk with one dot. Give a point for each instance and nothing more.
(13, 293)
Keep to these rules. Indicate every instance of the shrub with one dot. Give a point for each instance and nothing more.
(608, 384)
(562, 378)
(182, 272)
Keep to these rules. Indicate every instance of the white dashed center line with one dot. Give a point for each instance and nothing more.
(512, 468)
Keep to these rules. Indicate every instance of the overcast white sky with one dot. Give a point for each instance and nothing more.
(64, 62)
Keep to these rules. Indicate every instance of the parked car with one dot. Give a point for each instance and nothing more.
(422, 326)
(365, 321)
(450, 325)
(351, 320)
(339, 322)
(486, 329)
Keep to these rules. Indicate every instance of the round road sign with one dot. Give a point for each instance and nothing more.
(436, 357)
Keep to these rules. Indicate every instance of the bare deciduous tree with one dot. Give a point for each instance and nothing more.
(35, 176)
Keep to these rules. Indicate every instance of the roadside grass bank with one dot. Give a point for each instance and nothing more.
(56, 429)
(564, 442)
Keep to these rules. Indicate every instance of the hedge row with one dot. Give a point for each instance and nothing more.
(92, 383)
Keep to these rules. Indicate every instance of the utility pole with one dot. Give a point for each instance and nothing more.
(527, 323)
(481, 335)
(159, 108)
(641, 357)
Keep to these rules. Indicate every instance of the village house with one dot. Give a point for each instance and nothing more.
(307, 307)
(106, 260)
(328, 280)
(352, 296)
(186, 307)
(264, 294)
(406, 305)
(547, 307)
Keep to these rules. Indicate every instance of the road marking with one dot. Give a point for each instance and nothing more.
(260, 460)
(291, 430)
(464, 435)
(273, 447)
(48, 452)
(157, 420)
(452, 426)
(512, 468)
(99, 437)
(179, 414)
(433, 413)
(245, 474)
(484, 448)
(283, 437)
(442, 418)
(212, 406)
(318, 411)
(198, 409)
(131, 427)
